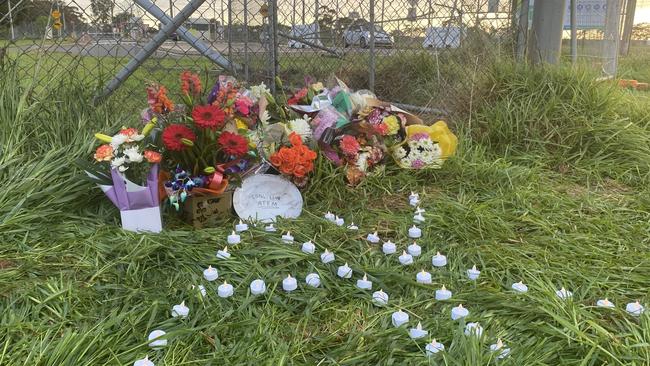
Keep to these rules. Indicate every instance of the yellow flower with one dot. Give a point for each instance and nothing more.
(241, 125)
(393, 125)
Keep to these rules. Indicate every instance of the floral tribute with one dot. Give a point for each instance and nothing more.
(129, 152)
(296, 161)
(207, 139)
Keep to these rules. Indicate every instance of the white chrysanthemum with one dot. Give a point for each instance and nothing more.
(399, 153)
(258, 90)
(118, 140)
(301, 127)
(118, 162)
(362, 161)
(133, 155)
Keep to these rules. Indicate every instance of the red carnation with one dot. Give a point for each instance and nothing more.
(208, 116)
(233, 144)
(173, 134)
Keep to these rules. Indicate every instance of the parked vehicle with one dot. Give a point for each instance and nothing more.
(442, 37)
(359, 34)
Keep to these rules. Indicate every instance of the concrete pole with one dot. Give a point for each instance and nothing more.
(611, 37)
(630, 11)
(546, 41)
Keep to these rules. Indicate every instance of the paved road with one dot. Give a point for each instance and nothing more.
(111, 48)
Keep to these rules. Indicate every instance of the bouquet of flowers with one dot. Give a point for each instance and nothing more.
(123, 161)
(425, 146)
(205, 140)
(296, 161)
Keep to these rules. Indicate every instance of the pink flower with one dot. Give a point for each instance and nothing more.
(417, 164)
(243, 105)
(419, 136)
(349, 145)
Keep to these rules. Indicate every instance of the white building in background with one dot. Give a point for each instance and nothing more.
(203, 28)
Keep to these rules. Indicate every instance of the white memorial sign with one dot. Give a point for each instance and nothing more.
(263, 197)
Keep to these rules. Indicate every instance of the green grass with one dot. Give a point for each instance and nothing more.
(549, 186)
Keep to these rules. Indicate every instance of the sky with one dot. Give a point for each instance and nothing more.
(430, 12)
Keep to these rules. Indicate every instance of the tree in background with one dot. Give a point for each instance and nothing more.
(103, 13)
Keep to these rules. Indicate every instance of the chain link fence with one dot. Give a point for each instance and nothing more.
(420, 52)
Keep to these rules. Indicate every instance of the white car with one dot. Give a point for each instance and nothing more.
(442, 37)
(359, 34)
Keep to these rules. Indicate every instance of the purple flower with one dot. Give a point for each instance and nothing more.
(214, 92)
(146, 115)
(417, 164)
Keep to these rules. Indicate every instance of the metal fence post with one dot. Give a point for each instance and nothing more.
(611, 37)
(630, 11)
(371, 76)
(574, 31)
(522, 31)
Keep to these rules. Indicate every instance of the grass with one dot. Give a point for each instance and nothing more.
(549, 186)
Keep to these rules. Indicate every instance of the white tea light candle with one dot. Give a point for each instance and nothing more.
(473, 273)
(399, 318)
(501, 348)
(414, 249)
(144, 362)
(270, 228)
(563, 294)
(434, 347)
(258, 287)
(417, 332)
(605, 303)
(308, 247)
(415, 232)
(634, 308)
(443, 294)
(389, 247)
(459, 312)
(225, 290)
(439, 260)
(379, 298)
(154, 339)
(352, 226)
(210, 274)
(327, 257)
(520, 287)
(473, 329)
(344, 271)
(419, 210)
(313, 280)
(234, 238)
(364, 284)
(287, 238)
(373, 238)
(330, 216)
(414, 196)
(223, 254)
(339, 221)
(423, 277)
(405, 259)
(418, 218)
(241, 227)
(180, 310)
(289, 284)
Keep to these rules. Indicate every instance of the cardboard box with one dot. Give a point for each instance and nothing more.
(206, 210)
